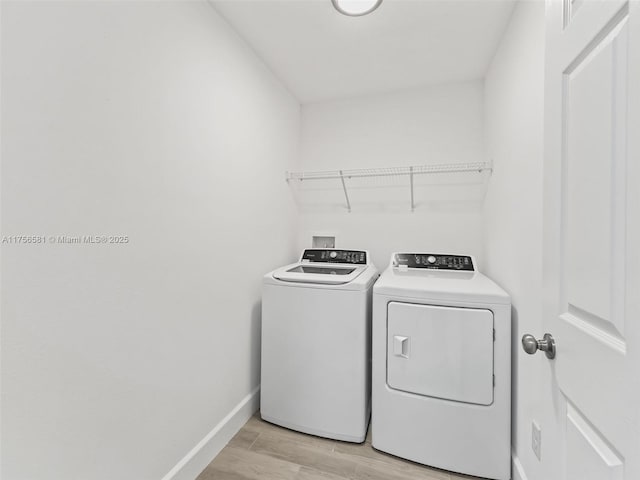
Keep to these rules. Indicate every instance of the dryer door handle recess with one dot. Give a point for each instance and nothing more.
(401, 346)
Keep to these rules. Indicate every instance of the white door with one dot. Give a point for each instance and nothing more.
(592, 240)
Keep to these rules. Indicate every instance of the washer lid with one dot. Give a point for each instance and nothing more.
(326, 273)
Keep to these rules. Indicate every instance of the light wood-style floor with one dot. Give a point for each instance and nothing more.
(262, 451)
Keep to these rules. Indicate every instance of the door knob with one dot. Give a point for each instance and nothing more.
(547, 345)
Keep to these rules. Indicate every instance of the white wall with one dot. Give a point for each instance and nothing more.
(150, 120)
(441, 124)
(513, 208)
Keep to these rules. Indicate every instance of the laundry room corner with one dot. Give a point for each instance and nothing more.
(512, 213)
(436, 124)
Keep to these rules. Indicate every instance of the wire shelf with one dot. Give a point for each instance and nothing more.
(409, 171)
(390, 171)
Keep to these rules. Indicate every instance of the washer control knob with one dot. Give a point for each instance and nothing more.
(333, 254)
(431, 259)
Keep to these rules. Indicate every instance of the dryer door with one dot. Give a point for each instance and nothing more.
(442, 352)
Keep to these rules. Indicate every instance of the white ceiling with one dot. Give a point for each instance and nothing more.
(320, 54)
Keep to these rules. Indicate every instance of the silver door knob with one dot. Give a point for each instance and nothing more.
(547, 345)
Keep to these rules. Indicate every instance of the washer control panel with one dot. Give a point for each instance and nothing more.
(319, 255)
(435, 261)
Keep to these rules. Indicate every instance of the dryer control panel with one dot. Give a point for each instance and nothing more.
(434, 261)
(330, 255)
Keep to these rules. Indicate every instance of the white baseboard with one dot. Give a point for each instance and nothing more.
(517, 471)
(206, 450)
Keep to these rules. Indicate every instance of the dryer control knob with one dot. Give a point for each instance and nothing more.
(431, 259)
(333, 254)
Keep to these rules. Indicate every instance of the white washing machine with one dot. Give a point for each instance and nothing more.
(441, 384)
(316, 344)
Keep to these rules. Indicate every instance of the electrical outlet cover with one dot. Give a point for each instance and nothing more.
(536, 438)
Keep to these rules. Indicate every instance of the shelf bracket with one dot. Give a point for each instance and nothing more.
(346, 195)
(411, 182)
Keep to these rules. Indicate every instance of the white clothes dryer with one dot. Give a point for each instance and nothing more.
(316, 344)
(441, 385)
